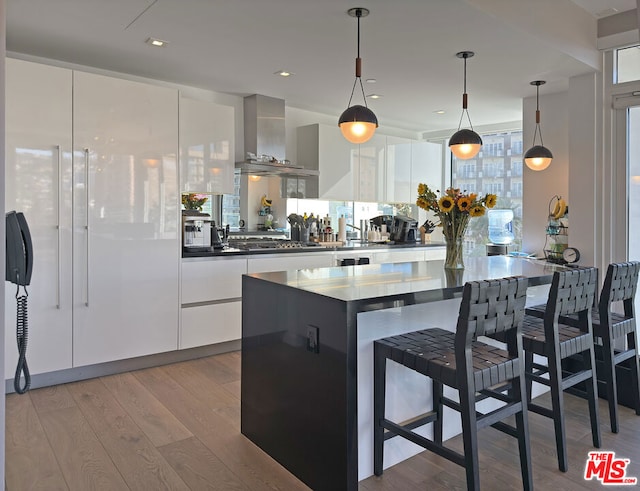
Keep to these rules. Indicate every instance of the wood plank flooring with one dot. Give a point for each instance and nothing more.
(178, 427)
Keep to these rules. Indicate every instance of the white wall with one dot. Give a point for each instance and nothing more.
(540, 187)
(585, 168)
(572, 129)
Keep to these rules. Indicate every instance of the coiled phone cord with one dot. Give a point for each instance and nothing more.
(22, 333)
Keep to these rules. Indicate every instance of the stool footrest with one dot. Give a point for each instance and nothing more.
(425, 419)
(544, 411)
(491, 418)
(424, 442)
(576, 379)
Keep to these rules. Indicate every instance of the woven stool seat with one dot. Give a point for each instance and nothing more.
(432, 352)
(571, 340)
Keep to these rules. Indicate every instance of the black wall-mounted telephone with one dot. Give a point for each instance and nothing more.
(19, 265)
(19, 249)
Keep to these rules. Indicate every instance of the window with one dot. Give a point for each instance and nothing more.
(627, 65)
(496, 170)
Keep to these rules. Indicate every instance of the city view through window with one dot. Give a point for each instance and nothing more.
(496, 169)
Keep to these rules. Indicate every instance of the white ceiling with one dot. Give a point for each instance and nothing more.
(408, 46)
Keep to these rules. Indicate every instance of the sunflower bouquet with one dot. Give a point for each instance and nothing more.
(454, 209)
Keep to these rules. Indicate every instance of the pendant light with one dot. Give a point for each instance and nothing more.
(465, 143)
(358, 123)
(538, 157)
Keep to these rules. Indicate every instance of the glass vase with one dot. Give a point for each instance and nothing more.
(454, 259)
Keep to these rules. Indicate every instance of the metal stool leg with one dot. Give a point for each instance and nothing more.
(379, 386)
(632, 341)
(437, 392)
(589, 361)
(608, 373)
(470, 436)
(557, 405)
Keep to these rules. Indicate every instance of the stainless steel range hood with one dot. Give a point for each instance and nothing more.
(274, 169)
(264, 140)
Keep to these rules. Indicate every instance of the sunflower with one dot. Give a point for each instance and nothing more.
(446, 204)
(491, 200)
(476, 211)
(464, 203)
(422, 189)
(422, 203)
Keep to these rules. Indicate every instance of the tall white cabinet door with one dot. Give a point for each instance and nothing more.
(126, 240)
(207, 158)
(324, 148)
(38, 183)
(426, 166)
(371, 182)
(398, 170)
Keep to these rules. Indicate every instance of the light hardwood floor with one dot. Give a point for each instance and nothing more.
(178, 427)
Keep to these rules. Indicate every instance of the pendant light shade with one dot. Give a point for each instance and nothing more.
(358, 123)
(538, 157)
(465, 143)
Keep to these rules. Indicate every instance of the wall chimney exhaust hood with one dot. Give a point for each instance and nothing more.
(264, 140)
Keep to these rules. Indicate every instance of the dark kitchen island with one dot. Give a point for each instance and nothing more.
(307, 355)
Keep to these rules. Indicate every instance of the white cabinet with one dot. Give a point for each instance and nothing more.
(103, 210)
(210, 324)
(324, 148)
(206, 147)
(384, 169)
(206, 279)
(432, 253)
(286, 262)
(399, 256)
(398, 170)
(211, 306)
(371, 169)
(126, 238)
(426, 166)
(38, 183)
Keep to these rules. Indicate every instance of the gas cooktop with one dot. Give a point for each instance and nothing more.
(260, 244)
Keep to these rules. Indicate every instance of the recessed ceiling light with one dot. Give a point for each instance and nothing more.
(374, 96)
(283, 73)
(439, 111)
(156, 42)
(371, 80)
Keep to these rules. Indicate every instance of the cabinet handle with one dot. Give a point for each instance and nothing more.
(86, 227)
(58, 208)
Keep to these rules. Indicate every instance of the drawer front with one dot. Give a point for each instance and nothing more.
(213, 279)
(432, 253)
(210, 324)
(289, 262)
(400, 256)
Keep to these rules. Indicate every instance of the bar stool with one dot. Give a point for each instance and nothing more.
(620, 285)
(477, 370)
(572, 293)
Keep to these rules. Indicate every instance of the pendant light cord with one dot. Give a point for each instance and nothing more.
(537, 131)
(358, 61)
(464, 98)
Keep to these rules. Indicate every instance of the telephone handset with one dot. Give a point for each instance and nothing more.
(19, 265)
(19, 249)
